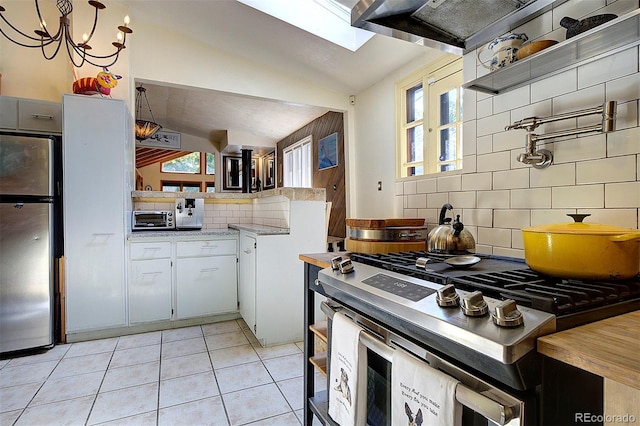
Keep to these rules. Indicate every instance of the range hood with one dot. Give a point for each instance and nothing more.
(454, 26)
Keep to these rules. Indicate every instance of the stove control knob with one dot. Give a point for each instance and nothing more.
(507, 314)
(447, 296)
(335, 262)
(345, 266)
(473, 305)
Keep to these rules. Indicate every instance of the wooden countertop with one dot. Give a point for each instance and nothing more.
(323, 260)
(609, 348)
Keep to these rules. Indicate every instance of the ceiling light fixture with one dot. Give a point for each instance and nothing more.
(45, 38)
(144, 128)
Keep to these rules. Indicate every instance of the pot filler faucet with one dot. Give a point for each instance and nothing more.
(542, 158)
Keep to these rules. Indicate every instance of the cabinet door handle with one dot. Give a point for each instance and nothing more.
(42, 116)
(209, 270)
(247, 251)
(151, 273)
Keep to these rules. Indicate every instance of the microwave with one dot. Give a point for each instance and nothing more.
(144, 220)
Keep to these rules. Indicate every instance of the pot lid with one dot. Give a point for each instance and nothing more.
(578, 227)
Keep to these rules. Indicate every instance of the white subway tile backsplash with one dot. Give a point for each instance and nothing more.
(558, 84)
(580, 149)
(623, 89)
(484, 144)
(469, 137)
(426, 186)
(499, 237)
(484, 108)
(627, 116)
(511, 179)
(508, 140)
(450, 183)
(495, 161)
(615, 169)
(478, 181)
(596, 173)
(610, 67)
(494, 199)
(582, 196)
(463, 200)
(538, 198)
(437, 200)
(545, 217)
(478, 217)
(511, 99)
(622, 195)
(511, 218)
(417, 201)
(409, 187)
(555, 175)
(493, 124)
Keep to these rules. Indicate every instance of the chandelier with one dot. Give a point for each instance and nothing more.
(52, 43)
(144, 128)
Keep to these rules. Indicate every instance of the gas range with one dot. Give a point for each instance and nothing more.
(486, 317)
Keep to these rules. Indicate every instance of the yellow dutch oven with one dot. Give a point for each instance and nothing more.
(583, 251)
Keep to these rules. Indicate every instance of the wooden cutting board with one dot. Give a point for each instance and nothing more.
(384, 223)
(375, 247)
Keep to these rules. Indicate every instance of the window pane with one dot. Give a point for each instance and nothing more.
(448, 103)
(211, 187)
(211, 164)
(414, 104)
(415, 146)
(448, 144)
(447, 167)
(415, 171)
(170, 187)
(189, 163)
(191, 187)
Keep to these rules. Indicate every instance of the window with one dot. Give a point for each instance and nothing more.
(189, 163)
(430, 120)
(211, 164)
(172, 186)
(297, 164)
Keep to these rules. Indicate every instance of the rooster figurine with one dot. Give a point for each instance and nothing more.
(101, 84)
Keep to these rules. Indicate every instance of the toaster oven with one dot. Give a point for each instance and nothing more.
(145, 220)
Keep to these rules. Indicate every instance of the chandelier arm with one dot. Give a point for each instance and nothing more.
(93, 28)
(59, 40)
(26, 45)
(18, 31)
(71, 49)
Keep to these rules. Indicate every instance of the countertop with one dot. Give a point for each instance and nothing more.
(141, 235)
(608, 348)
(322, 260)
(259, 229)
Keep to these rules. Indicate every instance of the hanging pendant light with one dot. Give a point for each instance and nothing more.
(144, 128)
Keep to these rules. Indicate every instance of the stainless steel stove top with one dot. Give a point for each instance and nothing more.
(412, 302)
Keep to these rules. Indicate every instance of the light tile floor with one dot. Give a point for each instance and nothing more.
(215, 374)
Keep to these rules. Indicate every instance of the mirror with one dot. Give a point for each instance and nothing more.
(269, 167)
(232, 170)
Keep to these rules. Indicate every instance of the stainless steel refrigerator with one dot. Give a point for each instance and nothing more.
(28, 206)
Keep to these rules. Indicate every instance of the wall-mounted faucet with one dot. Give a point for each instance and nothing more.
(542, 158)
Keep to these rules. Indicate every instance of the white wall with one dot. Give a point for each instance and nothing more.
(496, 195)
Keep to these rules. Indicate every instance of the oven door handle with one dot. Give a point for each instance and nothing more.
(487, 407)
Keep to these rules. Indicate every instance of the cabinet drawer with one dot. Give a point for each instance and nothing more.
(8, 112)
(206, 248)
(39, 115)
(142, 251)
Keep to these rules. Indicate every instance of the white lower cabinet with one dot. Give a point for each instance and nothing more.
(150, 282)
(203, 282)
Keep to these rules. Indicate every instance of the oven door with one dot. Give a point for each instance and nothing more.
(482, 403)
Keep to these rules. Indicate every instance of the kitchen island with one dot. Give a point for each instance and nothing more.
(609, 349)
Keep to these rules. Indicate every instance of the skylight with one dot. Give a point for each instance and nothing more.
(327, 19)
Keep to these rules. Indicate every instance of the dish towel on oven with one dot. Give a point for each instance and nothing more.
(347, 373)
(421, 394)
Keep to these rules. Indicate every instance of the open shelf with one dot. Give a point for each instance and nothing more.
(320, 330)
(319, 361)
(319, 404)
(599, 42)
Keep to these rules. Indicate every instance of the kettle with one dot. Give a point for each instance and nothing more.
(450, 237)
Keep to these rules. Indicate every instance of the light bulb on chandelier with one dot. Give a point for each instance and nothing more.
(50, 44)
